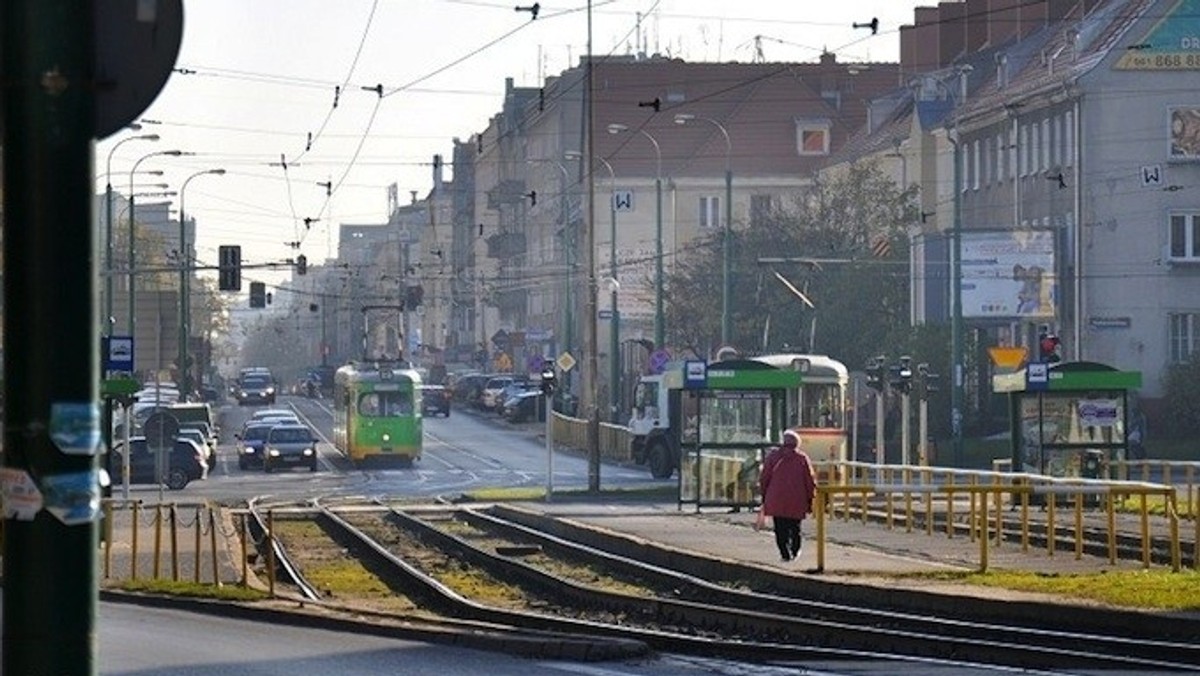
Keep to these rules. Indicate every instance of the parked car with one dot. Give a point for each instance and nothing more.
(435, 400)
(290, 445)
(250, 444)
(490, 399)
(526, 406)
(183, 463)
(468, 388)
(197, 436)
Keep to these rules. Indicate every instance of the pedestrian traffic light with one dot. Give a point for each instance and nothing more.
(549, 381)
(902, 375)
(875, 373)
(301, 265)
(1049, 347)
(258, 294)
(229, 264)
(927, 381)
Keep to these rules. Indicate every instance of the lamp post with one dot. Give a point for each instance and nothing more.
(132, 230)
(184, 270)
(659, 329)
(614, 331)
(108, 228)
(684, 118)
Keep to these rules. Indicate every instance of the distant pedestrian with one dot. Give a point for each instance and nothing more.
(788, 486)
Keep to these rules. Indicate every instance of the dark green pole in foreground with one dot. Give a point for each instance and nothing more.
(51, 337)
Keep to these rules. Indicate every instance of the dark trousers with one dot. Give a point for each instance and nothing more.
(787, 536)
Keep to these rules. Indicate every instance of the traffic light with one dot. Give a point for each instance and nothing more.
(549, 381)
(301, 265)
(1049, 348)
(875, 373)
(229, 263)
(258, 294)
(902, 376)
(927, 381)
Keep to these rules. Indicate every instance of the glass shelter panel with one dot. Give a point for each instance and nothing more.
(1061, 431)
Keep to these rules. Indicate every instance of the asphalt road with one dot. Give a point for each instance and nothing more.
(466, 451)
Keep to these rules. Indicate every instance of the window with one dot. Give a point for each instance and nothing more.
(761, 208)
(710, 212)
(812, 138)
(1185, 236)
(1182, 329)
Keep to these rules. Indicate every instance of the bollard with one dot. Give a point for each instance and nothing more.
(1051, 502)
(270, 540)
(212, 526)
(174, 543)
(108, 527)
(196, 562)
(1079, 526)
(134, 545)
(157, 540)
(245, 553)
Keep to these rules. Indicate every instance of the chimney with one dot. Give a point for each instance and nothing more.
(952, 33)
(977, 25)
(1034, 16)
(925, 33)
(828, 58)
(437, 173)
(1004, 16)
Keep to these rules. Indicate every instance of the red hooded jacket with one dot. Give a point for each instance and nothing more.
(787, 481)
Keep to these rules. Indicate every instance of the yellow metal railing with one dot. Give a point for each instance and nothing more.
(614, 440)
(907, 489)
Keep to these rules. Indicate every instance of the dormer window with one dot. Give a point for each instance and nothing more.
(812, 137)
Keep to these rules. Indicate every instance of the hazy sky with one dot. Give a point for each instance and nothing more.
(256, 77)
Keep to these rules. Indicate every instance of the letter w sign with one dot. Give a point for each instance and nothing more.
(622, 200)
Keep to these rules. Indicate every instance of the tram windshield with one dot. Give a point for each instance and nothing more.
(385, 404)
(817, 405)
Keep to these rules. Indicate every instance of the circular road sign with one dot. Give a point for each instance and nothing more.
(160, 430)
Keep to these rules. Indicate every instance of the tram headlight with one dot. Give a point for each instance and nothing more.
(386, 437)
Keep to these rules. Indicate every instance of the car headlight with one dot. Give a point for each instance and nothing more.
(270, 390)
(249, 450)
(308, 451)
(243, 394)
(386, 437)
(273, 452)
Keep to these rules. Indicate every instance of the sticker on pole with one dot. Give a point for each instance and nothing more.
(74, 498)
(19, 494)
(75, 428)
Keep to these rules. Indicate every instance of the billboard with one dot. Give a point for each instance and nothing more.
(1185, 134)
(1008, 274)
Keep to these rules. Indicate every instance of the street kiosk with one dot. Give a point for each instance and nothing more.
(731, 413)
(1068, 419)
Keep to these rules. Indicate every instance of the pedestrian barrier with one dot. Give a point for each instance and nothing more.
(615, 441)
(910, 494)
(156, 537)
(1183, 475)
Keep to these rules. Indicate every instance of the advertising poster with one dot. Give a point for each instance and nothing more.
(1008, 274)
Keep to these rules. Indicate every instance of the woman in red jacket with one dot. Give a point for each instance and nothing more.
(788, 486)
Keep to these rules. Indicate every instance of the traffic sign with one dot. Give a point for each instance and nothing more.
(604, 315)
(535, 363)
(19, 494)
(659, 360)
(135, 57)
(1008, 357)
(160, 429)
(118, 353)
(1037, 376)
(565, 362)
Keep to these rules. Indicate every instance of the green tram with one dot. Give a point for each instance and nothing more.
(377, 413)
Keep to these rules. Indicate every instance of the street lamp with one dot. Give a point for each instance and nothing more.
(108, 228)
(684, 118)
(132, 229)
(659, 332)
(614, 331)
(184, 265)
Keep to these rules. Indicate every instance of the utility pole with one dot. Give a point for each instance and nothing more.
(590, 373)
(50, 476)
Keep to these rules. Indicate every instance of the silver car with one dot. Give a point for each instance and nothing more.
(289, 445)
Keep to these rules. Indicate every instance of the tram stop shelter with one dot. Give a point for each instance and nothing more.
(1068, 419)
(731, 413)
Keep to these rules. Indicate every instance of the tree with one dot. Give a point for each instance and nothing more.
(1182, 398)
(859, 300)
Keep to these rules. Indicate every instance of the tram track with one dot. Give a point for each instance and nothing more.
(734, 615)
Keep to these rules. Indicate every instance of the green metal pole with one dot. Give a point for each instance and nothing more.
(956, 322)
(726, 280)
(132, 296)
(614, 333)
(51, 359)
(181, 357)
(659, 328)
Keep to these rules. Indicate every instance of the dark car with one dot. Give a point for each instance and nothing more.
(468, 388)
(256, 390)
(288, 445)
(435, 400)
(183, 463)
(525, 406)
(250, 445)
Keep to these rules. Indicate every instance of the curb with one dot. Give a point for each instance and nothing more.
(464, 634)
